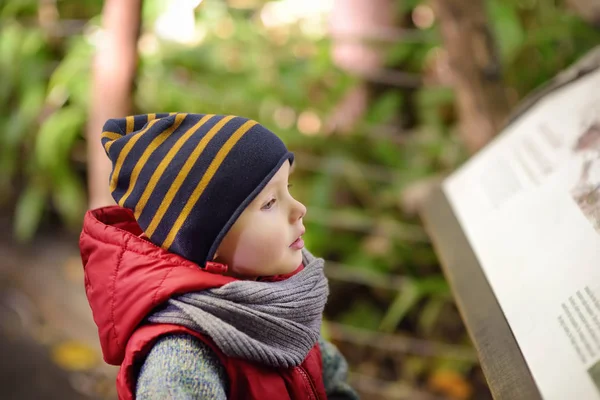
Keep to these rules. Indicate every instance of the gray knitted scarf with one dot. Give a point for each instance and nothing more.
(271, 323)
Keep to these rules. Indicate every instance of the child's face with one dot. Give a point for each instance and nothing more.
(263, 241)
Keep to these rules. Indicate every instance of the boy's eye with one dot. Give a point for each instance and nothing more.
(269, 204)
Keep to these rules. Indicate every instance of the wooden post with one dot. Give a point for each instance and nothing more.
(113, 77)
(476, 72)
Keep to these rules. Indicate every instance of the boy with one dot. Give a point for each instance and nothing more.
(198, 280)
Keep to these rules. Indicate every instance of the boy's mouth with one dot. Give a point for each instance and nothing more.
(298, 243)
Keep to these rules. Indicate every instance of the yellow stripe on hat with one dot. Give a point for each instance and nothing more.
(129, 124)
(112, 136)
(210, 172)
(141, 204)
(183, 173)
(123, 154)
(157, 141)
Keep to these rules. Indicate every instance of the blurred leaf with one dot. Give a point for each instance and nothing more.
(434, 285)
(362, 315)
(356, 258)
(69, 198)
(20, 123)
(321, 197)
(430, 314)
(386, 153)
(29, 211)
(32, 101)
(399, 52)
(75, 64)
(385, 107)
(32, 44)
(56, 136)
(75, 356)
(17, 7)
(430, 104)
(10, 41)
(406, 6)
(509, 32)
(406, 298)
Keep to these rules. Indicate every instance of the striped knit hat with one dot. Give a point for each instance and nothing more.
(188, 177)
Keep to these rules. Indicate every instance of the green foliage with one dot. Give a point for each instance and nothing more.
(363, 315)
(408, 295)
(43, 117)
(509, 30)
(541, 35)
(30, 209)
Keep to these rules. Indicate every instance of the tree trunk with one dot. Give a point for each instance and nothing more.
(351, 23)
(360, 19)
(475, 67)
(113, 78)
(589, 10)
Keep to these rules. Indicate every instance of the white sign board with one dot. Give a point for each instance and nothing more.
(529, 204)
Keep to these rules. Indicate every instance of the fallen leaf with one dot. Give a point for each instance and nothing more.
(74, 356)
(451, 384)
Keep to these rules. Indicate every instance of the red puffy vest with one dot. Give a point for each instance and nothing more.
(126, 277)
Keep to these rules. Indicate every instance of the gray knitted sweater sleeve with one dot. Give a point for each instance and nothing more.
(180, 367)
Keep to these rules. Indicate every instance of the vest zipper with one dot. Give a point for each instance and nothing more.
(313, 392)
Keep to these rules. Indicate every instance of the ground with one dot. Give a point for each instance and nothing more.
(48, 339)
(27, 372)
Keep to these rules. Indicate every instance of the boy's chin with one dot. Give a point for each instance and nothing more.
(289, 267)
(274, 270)
(297, 260)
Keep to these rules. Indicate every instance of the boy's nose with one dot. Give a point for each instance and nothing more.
(298, 211)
